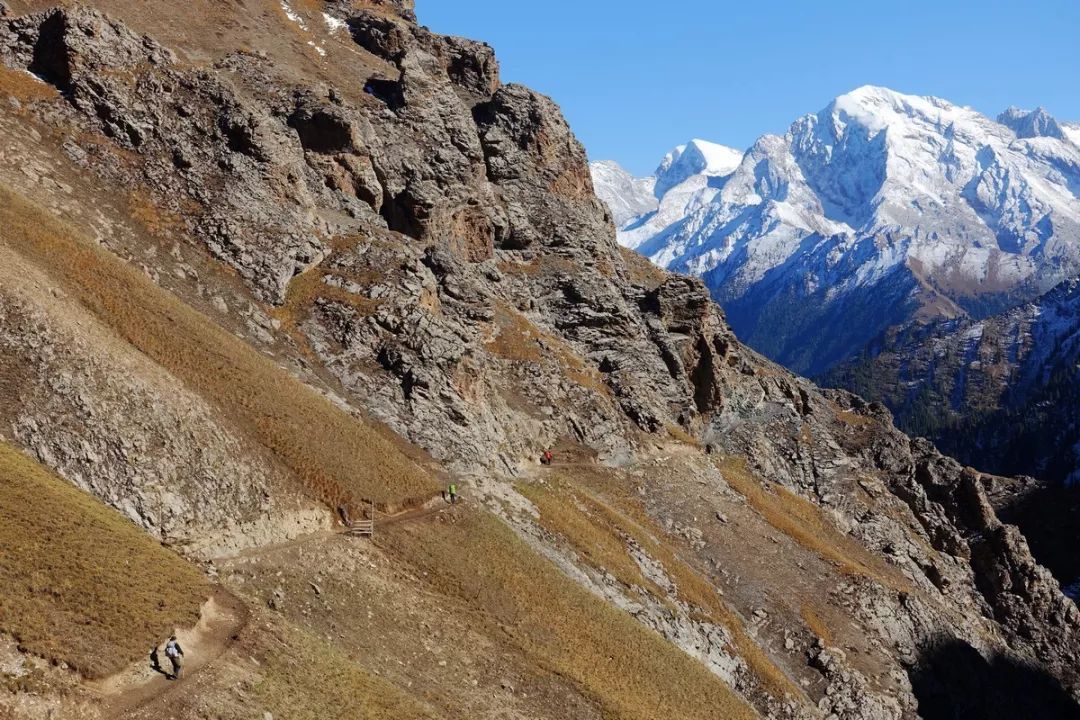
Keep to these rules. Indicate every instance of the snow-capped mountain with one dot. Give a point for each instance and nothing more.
(625, 195)
(681, 183)
(881, 208)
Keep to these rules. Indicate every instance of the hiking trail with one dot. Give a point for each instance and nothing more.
(221, 618)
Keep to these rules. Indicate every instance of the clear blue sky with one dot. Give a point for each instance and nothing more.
(637, 78)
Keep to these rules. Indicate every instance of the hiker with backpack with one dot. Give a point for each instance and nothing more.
(452, 493)
(175, 653)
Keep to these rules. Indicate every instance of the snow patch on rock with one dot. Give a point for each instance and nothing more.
(334, 24)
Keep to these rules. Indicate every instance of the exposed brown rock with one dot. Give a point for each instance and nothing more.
(430, 252)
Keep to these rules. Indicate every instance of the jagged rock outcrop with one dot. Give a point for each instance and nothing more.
(1030, 124)
(428, 249)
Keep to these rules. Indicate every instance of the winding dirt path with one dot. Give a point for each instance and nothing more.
(431, 507)
(222, 618)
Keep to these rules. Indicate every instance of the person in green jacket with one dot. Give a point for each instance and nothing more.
(452, 493)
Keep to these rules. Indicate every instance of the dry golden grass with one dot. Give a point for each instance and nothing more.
(642, 272)
(310, 7)
(79, 582)
(529, 269)
(576, 368)
(337, 457)
(158, 222)
(816, 623)
(630, 671)
(23, 87)
(307, 679)
(596, 539)
(550, 265)
(516, 338)
(699, 592)
(621, 517)
(853, 419)
(805, 523)
(306, 289)
(679, 434)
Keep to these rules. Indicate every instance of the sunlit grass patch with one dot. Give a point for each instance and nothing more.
(305, 678)
(613, 518)
(806, 524)
(815, 623)
(311, 287)
(78, 582)
(515, 337)
(631, 672)
(642, 272)
(23, 86)
(600, 543)
(681, 435)
(518, 339)
(854, 419)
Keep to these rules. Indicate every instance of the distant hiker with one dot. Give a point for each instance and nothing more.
(452, 493)
(546, 458)
(174, 652)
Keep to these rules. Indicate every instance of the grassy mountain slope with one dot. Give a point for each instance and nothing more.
(221, 257)
(338, 458)
(82, 585)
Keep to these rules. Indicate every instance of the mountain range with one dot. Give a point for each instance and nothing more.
(901, 247)
(880, 210)
(297, 297)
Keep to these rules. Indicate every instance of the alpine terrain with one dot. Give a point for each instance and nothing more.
(275, 275)
(881, 210)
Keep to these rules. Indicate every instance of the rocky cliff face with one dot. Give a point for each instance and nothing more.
(370, 207)
(999, 392)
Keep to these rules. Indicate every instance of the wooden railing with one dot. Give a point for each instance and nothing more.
(363, 528)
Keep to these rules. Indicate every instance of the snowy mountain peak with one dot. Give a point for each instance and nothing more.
(697, 157)
(870, 97)
(625, 195)
(875, 95)
(876, 108)
(707, 157)
(1031, 123)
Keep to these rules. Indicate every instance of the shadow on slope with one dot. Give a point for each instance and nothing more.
(1049, 517)
(954, 681)
(791, 316)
